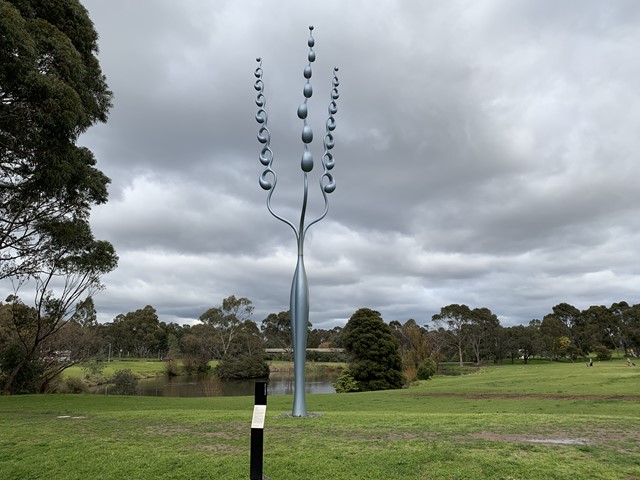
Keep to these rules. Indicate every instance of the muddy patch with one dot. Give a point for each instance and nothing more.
(545, 440)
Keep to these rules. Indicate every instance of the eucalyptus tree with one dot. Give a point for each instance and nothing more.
(70, 275)
(245, 357)
(414, 343)
(628, 319)
(139, 333)
(226, 322)
(603, 325)
(276, 329)
(483, 325)
(51, 91)
(454, 320)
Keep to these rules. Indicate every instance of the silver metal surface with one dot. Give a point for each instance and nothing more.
(299, 300)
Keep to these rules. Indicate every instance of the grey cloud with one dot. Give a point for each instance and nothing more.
(485, 155)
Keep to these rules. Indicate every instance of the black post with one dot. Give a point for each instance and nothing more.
(257, 431)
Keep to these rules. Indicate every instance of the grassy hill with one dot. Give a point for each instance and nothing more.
(547, 421)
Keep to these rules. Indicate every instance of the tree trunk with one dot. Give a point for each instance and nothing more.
(460, 354)
(6, 389)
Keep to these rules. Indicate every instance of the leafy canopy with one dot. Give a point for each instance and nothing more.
(375, 359)
(51, 90)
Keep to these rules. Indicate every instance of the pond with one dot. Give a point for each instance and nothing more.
(280, 383)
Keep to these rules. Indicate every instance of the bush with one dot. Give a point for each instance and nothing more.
(26, 381)
(75, 385)
(195, 363)
(244, 366)
(346, 383)
(93, 367)
(602, 352)
(410, 373)
(171, 368)
(427, 369)
(125, 382)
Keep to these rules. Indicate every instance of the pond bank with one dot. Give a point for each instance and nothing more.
(210, 385)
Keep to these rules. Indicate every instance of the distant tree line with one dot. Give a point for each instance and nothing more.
(35, 346)
(565, 333)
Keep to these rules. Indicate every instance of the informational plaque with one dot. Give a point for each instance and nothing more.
(259, 412)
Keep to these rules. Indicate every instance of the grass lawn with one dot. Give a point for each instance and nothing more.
(143, 368)
(554, 421)
(147, 368)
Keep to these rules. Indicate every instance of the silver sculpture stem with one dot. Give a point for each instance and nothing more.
(299, 300)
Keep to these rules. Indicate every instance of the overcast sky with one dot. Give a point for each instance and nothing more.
(486, 153)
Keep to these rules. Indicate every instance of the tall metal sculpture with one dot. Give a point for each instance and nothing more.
(299, 301)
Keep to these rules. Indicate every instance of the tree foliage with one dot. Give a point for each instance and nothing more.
(375, 360)
(276, 329)
(453, 319)
(245, 358)
(51, 91)
(125, 382)
(345, 383)
(414, 345)
(138, 333)
(482, 327)
(427, 369)
(37, 344)
(226, 322)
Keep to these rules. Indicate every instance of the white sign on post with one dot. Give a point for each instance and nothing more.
(259, 412)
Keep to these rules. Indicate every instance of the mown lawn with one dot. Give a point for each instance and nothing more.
(143, 368)
(556, 421)
(147, 368)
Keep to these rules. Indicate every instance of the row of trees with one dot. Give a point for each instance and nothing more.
(566, 332)
(384, 356)
(35, 346)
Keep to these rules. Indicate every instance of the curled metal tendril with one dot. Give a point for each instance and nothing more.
(328, 162)
(264, 136)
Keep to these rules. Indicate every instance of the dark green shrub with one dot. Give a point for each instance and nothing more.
(171, 368)
(26, 381)
(346, 383)
(75, 385)
(602, 352)
(125, 382)
(375, 361)
(574, 352)
(427, 369)
(195, 363)
(234, 367)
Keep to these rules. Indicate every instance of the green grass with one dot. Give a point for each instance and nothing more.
(499, 423)
(144, 368)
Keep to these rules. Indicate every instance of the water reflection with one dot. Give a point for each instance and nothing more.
(280, 383)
